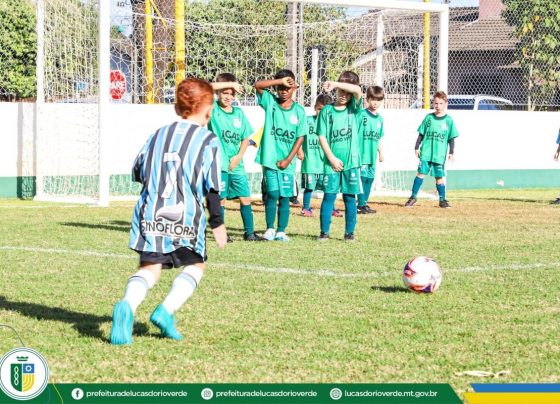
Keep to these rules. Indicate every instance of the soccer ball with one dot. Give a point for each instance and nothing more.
(422, 275)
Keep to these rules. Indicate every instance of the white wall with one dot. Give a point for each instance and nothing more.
(488, 139)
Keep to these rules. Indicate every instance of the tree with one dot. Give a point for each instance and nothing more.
(17, 49)
(537, 26)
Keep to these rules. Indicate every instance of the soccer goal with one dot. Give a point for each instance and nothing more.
(98, 63)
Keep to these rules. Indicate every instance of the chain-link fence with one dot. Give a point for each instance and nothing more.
(508, 49)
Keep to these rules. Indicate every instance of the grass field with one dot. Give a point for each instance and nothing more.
(301, 311)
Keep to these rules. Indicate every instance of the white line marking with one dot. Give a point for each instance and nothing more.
(259, 268)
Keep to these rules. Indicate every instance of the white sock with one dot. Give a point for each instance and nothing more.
(137, 288)
(183, 287)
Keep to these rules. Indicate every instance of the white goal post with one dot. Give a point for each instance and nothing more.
(77, 145)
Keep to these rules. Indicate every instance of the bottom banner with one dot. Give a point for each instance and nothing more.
(246, 393)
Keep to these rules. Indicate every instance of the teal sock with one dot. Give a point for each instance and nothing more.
(307, 193)
(270, 208)
(366, 186)
(351, 213)
(441, 191)
(247, 217)
(283, 214)
(327, 207)
(416, 186)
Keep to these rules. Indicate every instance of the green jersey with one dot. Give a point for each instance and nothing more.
(437, 133)
(370, 129)
(313, 155)
(340, 128)
(231, 128)
(282, 127)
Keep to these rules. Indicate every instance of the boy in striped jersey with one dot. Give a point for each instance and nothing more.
(370, 129)
(283, 135)
(233, 129)
(178, 167)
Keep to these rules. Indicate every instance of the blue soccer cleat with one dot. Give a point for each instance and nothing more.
(123, 318)
(166, 323)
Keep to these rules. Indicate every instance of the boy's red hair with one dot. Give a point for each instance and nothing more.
(192, 95)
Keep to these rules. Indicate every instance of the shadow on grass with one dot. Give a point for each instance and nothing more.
(389, 289)
(86, 324)
(115, 225)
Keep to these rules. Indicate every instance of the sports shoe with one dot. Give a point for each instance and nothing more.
(281, 236)
(294, 201)
(410, 203)
(252, 237)
(337, 213)
(444, 204)
(229, 239)
(269, 234)
(555, 202)
(123, 318)
(362, 210)
(349, 237)
(370, 210)
(165, 322)
(323, 237)
(307, 212)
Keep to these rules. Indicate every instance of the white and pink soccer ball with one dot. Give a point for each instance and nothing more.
(422, 275)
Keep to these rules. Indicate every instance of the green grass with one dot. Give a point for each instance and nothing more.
(301, 311)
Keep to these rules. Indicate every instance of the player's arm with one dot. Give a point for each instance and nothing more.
(260, 86)
(380, 154)
(335, 163)
(418, 143)
(227, 84)
(282, 164)
(353, 89)
(451, 144)
(235, 160)
(557, 153)
(300, 154)
(216, 221)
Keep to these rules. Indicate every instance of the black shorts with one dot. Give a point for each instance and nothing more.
(178, 258)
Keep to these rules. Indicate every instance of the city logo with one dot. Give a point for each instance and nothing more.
(24, 374)
(236, 122)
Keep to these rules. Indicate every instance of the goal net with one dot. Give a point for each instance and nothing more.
(388, 43)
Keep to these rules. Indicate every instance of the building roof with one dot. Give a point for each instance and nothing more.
(481, 35)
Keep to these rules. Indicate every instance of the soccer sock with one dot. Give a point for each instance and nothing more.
(283, 214)
(137, 288)
(247, 217)
(327, 207)
(307, 193)
(416, 186)
(366, 185)
(270, 208)
(351, 210)
(441, 191)
(182, 288)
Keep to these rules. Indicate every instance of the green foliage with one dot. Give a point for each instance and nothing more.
(17, 49)
(537, 26)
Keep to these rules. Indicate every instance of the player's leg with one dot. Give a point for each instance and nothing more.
(239, 188)
(135, 292)
(288, 188)
(308, 183)
(272, 195)
(423, 169)
(223, 196)
(331, 186)
(440, 186)
(350, 218)
(367, 182)
(181, 290)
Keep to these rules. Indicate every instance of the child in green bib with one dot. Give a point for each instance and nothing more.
(233, 129)
(283, 135)
(436, 137)
(338, 134)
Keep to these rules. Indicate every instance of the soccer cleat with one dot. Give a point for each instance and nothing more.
(362, 210)
(555, 202)
(337, 213)
(281, 236)
(444, 204)
(323, 237)
(252, 237)
(370, 210)
(166, 323)
(410, 203)
(307, 212)
(294, 201)
(269, 234)
(349, 237)
(123, 318)
(229, 239)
